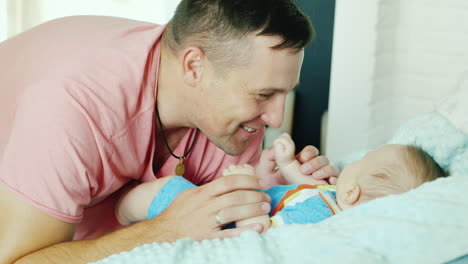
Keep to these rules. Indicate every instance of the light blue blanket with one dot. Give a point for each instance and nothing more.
(426, 225)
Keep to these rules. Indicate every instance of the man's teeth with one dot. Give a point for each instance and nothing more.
(249, 129)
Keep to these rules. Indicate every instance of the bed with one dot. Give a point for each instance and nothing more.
(426, 225)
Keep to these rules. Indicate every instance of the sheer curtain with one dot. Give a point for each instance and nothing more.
(3, 20)
(19, 15)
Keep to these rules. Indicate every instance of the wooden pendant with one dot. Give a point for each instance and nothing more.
(180, 169)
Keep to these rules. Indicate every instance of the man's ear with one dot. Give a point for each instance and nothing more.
(351, 194)
(192, 62)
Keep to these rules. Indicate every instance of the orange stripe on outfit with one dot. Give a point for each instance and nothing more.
(327, 203)
(290, 193)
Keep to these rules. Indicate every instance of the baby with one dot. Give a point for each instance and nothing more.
(391, 169)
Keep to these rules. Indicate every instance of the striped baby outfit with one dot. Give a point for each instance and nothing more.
(302, 204)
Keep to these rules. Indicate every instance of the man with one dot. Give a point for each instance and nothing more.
(91, 105)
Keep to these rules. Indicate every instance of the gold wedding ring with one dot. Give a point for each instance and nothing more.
(218, 220)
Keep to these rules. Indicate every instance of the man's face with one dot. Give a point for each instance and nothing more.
(234, 107)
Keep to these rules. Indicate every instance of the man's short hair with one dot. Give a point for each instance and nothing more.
(217, 26)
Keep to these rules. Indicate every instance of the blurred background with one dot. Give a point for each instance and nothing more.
(374, 64)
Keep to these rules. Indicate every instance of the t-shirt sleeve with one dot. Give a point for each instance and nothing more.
(53, 159)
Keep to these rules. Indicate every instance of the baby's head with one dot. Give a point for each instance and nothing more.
(390, 169)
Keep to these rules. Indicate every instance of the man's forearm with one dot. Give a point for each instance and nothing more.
(85, 251)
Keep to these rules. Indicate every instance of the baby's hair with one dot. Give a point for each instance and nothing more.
(417, 163)
(422, 165)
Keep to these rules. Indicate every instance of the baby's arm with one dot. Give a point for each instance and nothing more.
(288, 164)
(133, 206)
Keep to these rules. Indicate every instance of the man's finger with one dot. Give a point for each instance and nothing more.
(314, 165)
(240, 197)
(325, 173)
(307, 153)
(232, 183)
(237, 213)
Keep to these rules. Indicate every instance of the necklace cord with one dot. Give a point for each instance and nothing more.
(161, 128)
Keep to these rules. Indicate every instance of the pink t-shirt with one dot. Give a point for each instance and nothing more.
(77, 117)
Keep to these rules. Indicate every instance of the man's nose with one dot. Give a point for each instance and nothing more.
(274, 112)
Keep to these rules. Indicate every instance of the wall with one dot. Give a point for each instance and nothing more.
(392, 60)
(312, 94)
(351, 76)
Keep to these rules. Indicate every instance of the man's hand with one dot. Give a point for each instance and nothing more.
(317, 166)
(199, 213)
(312, 164)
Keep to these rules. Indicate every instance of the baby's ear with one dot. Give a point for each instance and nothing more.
(351, 194)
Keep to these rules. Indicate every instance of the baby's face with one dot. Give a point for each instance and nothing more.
(384, 158)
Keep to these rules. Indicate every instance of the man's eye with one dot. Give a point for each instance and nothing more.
(265, 96)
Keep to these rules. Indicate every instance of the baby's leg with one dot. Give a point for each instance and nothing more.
(246, 169)
(288, 164)
(133, 204)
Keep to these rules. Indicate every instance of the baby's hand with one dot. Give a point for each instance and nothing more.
(284, 150)
(245, 169)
